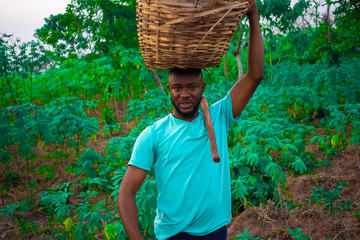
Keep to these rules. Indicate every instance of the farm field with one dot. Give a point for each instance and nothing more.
(70, 116)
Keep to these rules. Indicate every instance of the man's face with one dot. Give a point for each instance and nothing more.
(186, 92)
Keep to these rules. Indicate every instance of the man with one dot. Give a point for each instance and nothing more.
(194, 199)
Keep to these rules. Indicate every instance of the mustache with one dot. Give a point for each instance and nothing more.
(185, 102)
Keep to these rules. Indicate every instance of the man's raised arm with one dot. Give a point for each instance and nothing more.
(242, 91)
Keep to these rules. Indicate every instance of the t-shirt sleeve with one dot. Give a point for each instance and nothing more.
(224, 107)
(143, 154)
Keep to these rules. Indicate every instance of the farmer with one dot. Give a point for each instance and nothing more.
(194, 199)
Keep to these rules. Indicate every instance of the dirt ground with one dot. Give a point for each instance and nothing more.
(318, 223)
(266, 221)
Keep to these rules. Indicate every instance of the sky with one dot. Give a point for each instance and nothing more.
(22, 17)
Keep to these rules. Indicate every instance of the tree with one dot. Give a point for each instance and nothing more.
(19, 62)
(347, 30)
(280, 14)
(91, 26)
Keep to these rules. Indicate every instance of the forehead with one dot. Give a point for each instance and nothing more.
(185, 79)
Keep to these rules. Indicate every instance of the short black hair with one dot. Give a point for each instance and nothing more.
(186, 71)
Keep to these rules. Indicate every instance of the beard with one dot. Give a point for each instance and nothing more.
(189, 114)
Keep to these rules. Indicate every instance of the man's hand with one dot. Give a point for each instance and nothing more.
(252, 8)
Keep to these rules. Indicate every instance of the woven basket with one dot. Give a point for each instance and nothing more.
(186, 33)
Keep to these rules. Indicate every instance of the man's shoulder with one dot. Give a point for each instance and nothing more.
(221, 103)
(151, 132)
(159, 124)
(222, 109)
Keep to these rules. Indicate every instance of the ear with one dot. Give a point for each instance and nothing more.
(168, 87)
(203, 87)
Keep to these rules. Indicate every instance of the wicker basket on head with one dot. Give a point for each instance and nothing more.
(186, 33)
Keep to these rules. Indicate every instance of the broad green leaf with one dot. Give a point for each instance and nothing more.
(68, 224)
(335, 140)
(110, 231)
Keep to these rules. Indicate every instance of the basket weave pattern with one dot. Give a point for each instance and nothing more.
(186, 33)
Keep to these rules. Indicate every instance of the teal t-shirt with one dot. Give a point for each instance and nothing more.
(194, 191)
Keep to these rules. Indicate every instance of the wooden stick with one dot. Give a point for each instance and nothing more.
(210, 129)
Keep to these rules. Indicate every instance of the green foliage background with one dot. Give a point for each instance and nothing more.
(50, 97)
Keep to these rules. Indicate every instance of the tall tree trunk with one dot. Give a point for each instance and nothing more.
(158, 81)
(31, 81)
(236, 53)
(240, 69)
(327, 20)
(13, 96)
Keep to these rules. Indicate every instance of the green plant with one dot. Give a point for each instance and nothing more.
(11, 176)
(87, 163)
(68, 226)
(149, 105)
(91, 217)
(110, 231)
(5, 156)
(343, 116)
(9, 210)
(26, 204)
(111, 128)
(20, 62)
(15, 210)
(329, 199)
(331, 145)
(18, 127)
(246, 236)
(112, 124)
(70, 124)
(31, 184)
(55, 201)
(297, 234)
(326, 163)
(48, 171)
(345, 205)
(26, 226)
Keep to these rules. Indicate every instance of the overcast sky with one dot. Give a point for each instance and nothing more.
(22, 17)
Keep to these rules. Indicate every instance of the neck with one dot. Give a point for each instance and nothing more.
(177, 115)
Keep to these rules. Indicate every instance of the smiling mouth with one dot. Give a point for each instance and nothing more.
(186, 105)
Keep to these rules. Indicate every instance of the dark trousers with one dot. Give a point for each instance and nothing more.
(219, 234)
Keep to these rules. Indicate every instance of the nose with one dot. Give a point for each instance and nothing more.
(184, 93)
